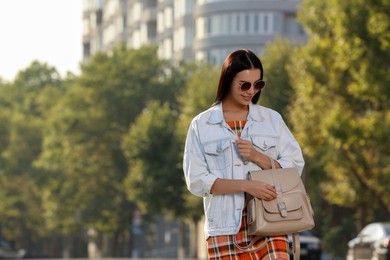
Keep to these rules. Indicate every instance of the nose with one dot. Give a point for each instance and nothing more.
(252, 90)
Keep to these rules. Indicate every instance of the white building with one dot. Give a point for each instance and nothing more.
(204, 30)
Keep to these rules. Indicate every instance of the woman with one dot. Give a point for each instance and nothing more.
(226, 141)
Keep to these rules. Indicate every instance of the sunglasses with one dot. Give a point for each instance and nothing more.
(258, 85)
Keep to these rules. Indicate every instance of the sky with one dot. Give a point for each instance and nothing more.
(49, 31)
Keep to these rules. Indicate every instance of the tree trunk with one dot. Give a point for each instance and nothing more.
(363, 215)
(93, 250)
(180, 246)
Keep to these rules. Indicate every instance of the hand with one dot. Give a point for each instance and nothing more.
(246, 150)
(261, 190)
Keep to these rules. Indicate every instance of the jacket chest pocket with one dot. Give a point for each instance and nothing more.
(218, 154)
(267, 145)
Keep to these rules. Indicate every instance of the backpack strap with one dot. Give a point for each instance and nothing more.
(296, 246)
(249, 248)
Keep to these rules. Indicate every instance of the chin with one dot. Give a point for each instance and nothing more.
(246, 102)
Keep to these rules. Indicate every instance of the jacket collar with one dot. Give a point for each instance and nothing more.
(216, 115)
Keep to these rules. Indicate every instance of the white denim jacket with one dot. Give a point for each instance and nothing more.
(210, 153)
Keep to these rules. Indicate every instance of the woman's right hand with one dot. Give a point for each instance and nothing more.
(261, 190)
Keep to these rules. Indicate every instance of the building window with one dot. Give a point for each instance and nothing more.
(124, 21)
(238, 23)
(226, 24)
(256, 23)
(190, 5)
(87, 49)
(277, 23)
(189, 36)
(208, 25)
(99, 17)
(229, 23)
(247, 23)
(152, 31)
(150, 3)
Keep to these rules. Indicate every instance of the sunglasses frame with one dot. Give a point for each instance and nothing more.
(245, 85)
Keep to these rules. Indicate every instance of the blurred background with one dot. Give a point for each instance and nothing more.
(92, 124)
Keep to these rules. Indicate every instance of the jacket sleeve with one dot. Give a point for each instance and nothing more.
(290, 154)
(198, 178)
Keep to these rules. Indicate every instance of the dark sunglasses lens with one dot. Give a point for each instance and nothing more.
(259, 84)
(246, 86)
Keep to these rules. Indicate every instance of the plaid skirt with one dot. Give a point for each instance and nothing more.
(223, 248)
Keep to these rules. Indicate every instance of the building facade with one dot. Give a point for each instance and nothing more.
(205, 30)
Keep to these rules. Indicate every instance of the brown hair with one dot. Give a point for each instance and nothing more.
(234, 63)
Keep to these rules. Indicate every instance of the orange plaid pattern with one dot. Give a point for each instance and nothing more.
(237, 126)
(223, 248)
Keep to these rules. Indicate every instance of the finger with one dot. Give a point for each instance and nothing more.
(269, 187)
(242, 141)
(239, 144)
(269, 198)
(269, 191)
(271, 194)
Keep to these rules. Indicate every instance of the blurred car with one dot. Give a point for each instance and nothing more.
(7, 251)
(372, 242)
(310, 246)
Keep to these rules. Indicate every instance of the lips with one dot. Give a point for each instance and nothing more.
(247, 98)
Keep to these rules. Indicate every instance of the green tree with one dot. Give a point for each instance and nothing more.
(82, 146)
(198, 95)
(278, 92)
(130, 77)
(154, 179)
(21, 127)
(341, 114)
(29, 84)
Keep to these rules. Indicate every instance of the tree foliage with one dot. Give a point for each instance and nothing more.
(81, 152)
(154, 179)
(341, 114)
(278, 93)
(198, 95)
(83, 140)
(22, 121)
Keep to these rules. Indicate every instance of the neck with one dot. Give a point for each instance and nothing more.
(234, 107)
(234, 113)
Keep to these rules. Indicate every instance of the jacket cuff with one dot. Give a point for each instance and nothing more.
(209, 182)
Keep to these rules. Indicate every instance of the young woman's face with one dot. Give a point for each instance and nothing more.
(238, 94)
